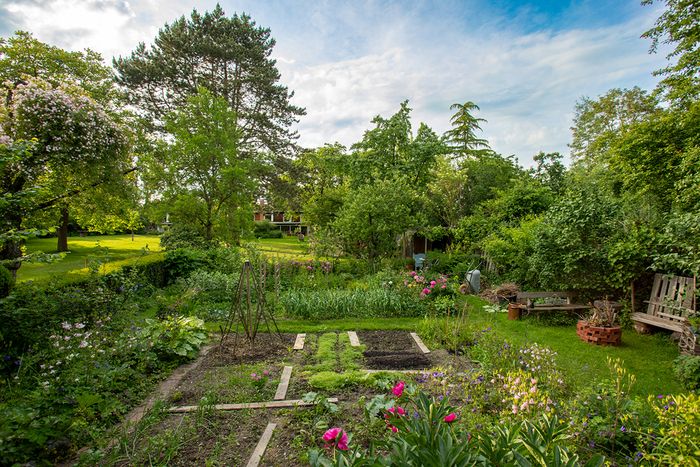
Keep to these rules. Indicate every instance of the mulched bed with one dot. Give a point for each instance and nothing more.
(392, 350)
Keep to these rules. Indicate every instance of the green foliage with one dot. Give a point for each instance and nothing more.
(175, 336)
(230, 56)
(182, 235)
(333, 304)
(572, 241)
(462, 136)
(680, 244)
(208, 176)
(6, 281)
(687, 370)
(674, 440)
(678, 26)
(369, 229)
(332, 381)
(510, 248)
(181, 262)
(265, 229)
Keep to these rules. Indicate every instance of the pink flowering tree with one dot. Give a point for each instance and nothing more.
(77, 151)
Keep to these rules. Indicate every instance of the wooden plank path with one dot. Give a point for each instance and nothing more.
(299, 342)
(284, 383)
(262, 445)
(250, 405)
(420, 343)
(354, 340)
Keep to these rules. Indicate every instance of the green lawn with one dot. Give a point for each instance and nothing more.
(283, 248)
(112, 250)
(648, 357)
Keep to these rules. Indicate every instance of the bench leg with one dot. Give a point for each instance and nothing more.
(642, 328)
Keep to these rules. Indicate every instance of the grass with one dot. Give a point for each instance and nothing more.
(288, 248)
(112, 250)
(350, 324)
(648, 357)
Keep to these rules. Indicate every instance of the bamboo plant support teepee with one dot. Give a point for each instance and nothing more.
(249, 308)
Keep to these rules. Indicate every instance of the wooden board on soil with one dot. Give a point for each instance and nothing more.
(392, 350)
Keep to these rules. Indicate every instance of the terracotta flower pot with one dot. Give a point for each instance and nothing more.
(599, 335)
(513, 311)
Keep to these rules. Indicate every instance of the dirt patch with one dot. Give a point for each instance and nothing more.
(267, 347)
(392, 350)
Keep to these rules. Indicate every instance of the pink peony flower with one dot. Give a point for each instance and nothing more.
(337, 437)
(432, 283)
(392, 428)
(412, 273)
(450, 418)
(395, 410)
(397, 390)
(426, 291)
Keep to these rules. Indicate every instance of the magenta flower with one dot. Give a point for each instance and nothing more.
(426, 291)
(336, 437)
(450, 418)
(397, 390)
(412, 273)
(432, 283)
(395, 411)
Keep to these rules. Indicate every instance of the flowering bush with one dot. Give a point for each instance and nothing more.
(674, 441)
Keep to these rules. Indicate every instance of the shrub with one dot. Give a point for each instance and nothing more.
(266, 229)
(182, 236)
(6, 281)
(687, 370)
(181, 262)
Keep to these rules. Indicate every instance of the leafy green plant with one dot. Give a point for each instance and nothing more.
(687, 370)
(175, 336)
(6, 282)
(333, 304)
(674, 440)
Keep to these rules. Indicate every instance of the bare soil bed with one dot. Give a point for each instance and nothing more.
(392, 350)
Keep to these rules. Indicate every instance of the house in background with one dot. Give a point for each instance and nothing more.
(290, 224)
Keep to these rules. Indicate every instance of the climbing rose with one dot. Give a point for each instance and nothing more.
(338, 437)
(398, 389)
(450, 418)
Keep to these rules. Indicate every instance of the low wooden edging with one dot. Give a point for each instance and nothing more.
(299, 342)
(250, 405)
(259, 451)
(354, 340)
(420, 343)
(284, 383)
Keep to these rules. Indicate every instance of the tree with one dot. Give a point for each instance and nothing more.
(462, 137)
(550, 171)
(79, 146)
(208, 177)
(599, 123)
(373, 218)
(75, 100)
(679, 25)
(228, 56)
(23, 56)
(389, 151)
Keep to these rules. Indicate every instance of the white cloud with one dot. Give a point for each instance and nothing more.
(348, 62)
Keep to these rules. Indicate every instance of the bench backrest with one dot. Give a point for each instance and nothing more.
(671, 295)
(524, 296)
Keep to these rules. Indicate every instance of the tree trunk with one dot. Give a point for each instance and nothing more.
(63, 231)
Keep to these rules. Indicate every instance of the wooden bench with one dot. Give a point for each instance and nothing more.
(669, 306)
(527, 301)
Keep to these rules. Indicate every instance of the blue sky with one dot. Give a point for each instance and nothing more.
(525, 63)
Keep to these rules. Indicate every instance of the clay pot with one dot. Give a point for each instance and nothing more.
(513, 311)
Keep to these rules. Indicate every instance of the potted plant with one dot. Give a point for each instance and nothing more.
(601, 327)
